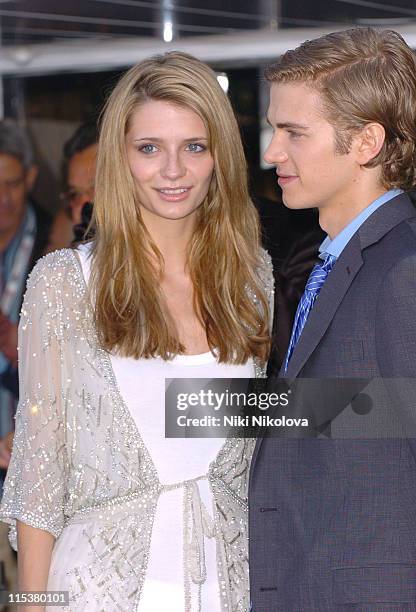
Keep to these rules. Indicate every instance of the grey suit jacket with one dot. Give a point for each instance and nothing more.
(333, 521)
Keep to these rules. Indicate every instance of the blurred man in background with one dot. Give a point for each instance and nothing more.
(80, 158)
(79, 162)
(23, 235)
(24, 229)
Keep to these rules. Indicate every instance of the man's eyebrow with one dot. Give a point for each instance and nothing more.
(288, 125)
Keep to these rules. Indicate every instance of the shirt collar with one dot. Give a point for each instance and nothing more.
(337, 245)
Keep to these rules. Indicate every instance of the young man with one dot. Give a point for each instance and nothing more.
(332, 522)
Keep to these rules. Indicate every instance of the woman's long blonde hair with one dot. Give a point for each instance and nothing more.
(223, 255)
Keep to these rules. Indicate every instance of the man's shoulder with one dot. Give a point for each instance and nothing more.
(400, 241)
(391, 226)
(411, 224)
(400, 253)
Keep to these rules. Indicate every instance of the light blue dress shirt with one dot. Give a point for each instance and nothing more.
(337, 245)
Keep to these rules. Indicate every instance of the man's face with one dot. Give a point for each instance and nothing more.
(15, 183)
(311, 173)
(81, 175)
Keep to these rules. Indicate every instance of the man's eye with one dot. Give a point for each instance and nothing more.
(295, 135)
(73, 195)
(196, 147)
(148, 148)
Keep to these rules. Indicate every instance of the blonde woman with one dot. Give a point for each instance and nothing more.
(173, 285)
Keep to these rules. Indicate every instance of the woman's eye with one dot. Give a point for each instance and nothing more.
(195, 147)
(148, 148)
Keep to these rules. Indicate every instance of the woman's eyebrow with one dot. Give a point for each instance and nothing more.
(156, 139)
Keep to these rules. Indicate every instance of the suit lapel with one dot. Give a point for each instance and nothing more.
(326, 305)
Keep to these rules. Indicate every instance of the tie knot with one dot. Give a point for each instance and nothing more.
(329, 262)
(319, 274)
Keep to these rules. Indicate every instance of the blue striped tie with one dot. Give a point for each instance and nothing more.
(312, 289)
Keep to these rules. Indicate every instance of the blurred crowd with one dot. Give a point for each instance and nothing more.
(27, 232)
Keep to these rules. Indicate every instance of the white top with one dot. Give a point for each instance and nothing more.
(142, 385)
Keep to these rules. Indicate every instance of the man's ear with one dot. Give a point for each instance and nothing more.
(369, 142)
(30, 178)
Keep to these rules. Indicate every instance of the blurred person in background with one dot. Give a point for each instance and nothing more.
(23, 234)
(79, 163)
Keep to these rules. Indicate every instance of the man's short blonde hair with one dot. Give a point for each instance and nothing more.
(363, 76)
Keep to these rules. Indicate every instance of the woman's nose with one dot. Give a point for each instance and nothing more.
(174, 167)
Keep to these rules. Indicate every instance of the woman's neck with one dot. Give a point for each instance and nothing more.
(171, 237)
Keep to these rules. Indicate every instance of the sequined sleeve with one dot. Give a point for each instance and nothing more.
(35, 485)
(265, 272)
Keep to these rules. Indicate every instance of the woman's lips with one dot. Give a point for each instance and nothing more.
(174, 195)
(285, 180)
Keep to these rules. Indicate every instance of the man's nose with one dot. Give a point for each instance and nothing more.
(275, 152)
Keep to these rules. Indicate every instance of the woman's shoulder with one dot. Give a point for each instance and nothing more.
(265, 259)
(55, 271)
(265, 270)
(266, 276)
(54, 294)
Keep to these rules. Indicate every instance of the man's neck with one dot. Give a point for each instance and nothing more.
(334, 218)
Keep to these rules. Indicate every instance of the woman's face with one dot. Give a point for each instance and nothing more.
(167, 150)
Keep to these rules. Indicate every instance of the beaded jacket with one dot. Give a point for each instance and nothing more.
(78, 456)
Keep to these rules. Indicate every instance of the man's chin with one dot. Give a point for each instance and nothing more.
(296, 204)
